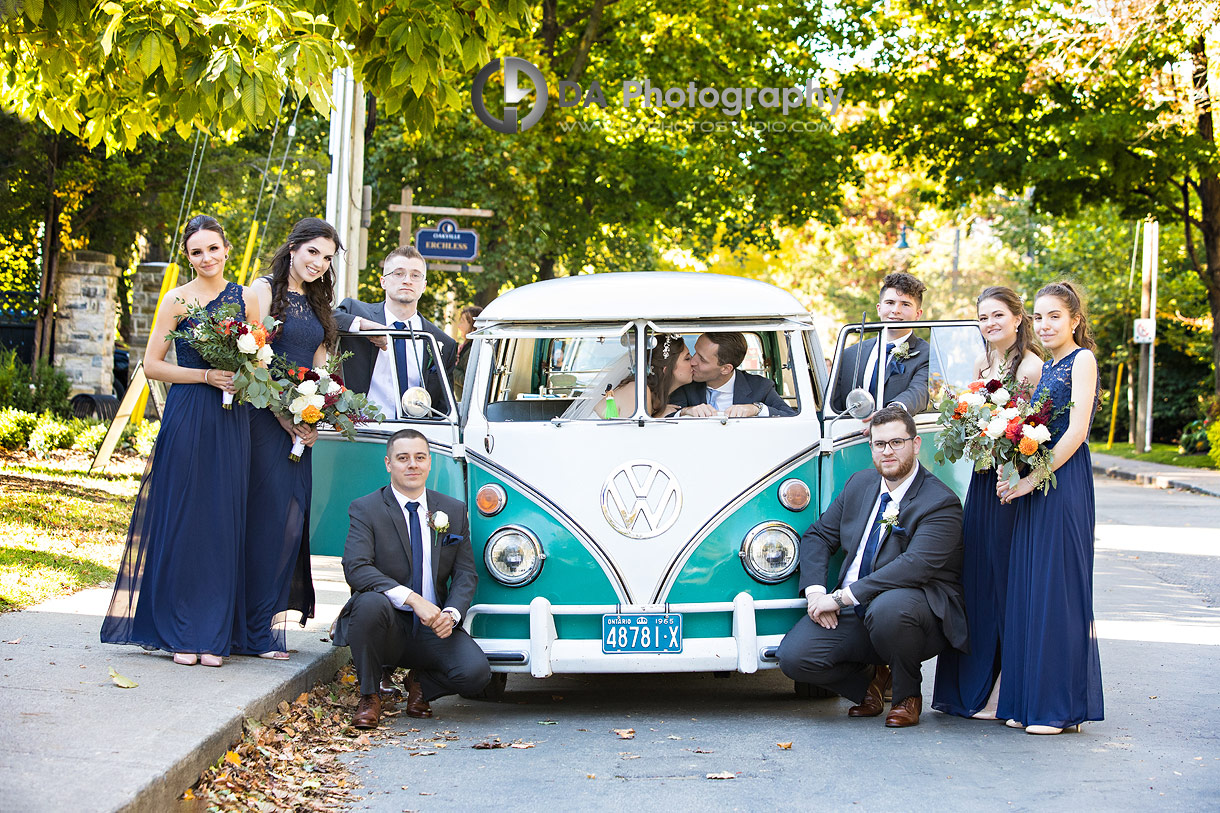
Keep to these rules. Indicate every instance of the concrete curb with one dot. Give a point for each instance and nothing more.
(162, 794)
(1156, 478)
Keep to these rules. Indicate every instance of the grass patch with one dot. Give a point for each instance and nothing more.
(59, 532)
(1163, 454)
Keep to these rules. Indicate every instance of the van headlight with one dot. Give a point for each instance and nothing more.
(513, 556)
(769, 552)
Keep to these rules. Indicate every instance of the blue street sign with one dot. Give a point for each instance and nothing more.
(447, 242)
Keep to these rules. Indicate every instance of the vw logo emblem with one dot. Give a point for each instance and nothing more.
(641, 499)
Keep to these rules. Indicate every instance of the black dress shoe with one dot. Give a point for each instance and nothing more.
(872, 705)
(368, 711)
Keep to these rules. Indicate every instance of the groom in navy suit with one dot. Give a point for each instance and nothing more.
(898, 599)
(719, 388)
(409, 563)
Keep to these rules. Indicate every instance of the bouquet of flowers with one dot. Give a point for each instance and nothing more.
(318, 395)
(996, 425)
(228, 343)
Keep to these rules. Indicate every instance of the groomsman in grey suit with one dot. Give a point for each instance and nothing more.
(898, 599)
(372, 368)
(410, 565)
(906, 359)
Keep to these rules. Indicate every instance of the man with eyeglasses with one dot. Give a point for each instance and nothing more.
(372, 368)
(898, 598)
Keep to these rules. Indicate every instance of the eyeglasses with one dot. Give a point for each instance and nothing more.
(414, 276)
(897, 444)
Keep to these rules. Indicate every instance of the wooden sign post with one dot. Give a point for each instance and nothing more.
(406, 237)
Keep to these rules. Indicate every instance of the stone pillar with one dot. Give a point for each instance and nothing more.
(86, 290)
(145, 287)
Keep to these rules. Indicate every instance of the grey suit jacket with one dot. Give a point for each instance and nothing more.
(909, 388)
(358, 370)
(925, 554)
(377, 554)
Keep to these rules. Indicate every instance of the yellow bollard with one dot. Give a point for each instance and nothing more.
(245, 258)
(1118, 386)
(167, 284)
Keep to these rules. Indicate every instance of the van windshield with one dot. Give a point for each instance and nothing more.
(594, 378)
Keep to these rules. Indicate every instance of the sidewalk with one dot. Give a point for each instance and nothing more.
(75, 741)
(1200, 481)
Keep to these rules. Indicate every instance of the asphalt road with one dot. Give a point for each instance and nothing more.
(1157, 584)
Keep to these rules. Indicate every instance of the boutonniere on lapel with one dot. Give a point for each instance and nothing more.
(889, 520)
(438, 521)
(900, 353)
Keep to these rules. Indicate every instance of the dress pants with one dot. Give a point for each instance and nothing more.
(380, 635)
(899, 629)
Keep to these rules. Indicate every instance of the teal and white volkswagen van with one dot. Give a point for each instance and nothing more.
(633, 544)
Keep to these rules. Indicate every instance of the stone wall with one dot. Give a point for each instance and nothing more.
(145, 287)
(86, 290)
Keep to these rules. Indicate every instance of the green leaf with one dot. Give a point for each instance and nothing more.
(33, 10)
(150, 53)
(415, 44)
(122, 681)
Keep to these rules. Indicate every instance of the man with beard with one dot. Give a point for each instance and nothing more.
(372, 369)
(898, 598)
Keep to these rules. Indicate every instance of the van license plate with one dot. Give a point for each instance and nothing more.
(650, 632)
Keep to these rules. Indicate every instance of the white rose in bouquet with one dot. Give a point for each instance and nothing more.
(1001, 397)
(995, 427)
(263, 356)
(972, 399)
(246, 343)
(1038, 434)
(1009, 413)
(307, 388)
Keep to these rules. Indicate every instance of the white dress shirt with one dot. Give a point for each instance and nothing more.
(399, 594)
(721, 398)
(853, 570)
(870, 369)
(383, 388)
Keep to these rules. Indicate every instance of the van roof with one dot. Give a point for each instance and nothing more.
(627, 295)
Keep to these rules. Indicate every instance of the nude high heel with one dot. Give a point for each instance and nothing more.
(186, 658)
(1050, 729)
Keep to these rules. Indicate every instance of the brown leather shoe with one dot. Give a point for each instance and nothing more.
(416, 705)
(905, 712)
(872, 705)
(368, 712)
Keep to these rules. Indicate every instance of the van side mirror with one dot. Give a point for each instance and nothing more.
(859, 403)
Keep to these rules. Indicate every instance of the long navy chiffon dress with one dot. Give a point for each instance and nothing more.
(1052, 671)
(964, 681)
(178, 582)
(277, 572)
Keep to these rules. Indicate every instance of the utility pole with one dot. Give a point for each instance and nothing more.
(1145, 337)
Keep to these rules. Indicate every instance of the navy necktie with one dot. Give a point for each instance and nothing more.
(417, 551)
(870, 546)
(882, 359)
(400, 360)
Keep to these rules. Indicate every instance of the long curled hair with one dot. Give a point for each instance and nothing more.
(200, 223)
(1024, 343)
(321, 292)
(661, 362)
(1067, 293)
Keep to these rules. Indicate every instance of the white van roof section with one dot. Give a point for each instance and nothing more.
(654, 295)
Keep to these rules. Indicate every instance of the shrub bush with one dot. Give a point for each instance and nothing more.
(90, 438)
(1213, 436)
(44, 389)
(16, 427)
(51, 433)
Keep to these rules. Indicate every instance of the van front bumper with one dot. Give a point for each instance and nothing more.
(545, 654)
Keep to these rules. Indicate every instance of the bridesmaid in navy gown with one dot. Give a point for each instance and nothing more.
(1052, 672)
(178, 583)
(298, 292)
(968, 685)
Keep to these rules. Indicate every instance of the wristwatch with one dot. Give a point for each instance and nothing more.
(838, 597)
(758, 404)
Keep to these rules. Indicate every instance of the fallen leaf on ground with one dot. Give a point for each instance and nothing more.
(702, 751)
(722, 775)
(16, 640)
(547, 722)
(348, 679)
(787, 746)
(488, 744)
(590, 776)
(628, 755)
(122, 681)
(624, 733)
(521, 745)
(673, 737)
(427, 793)
(424, 754)
(232, 758)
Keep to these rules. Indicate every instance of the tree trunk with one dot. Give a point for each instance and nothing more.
(45, 321)
(1209, 199)
(546, 267)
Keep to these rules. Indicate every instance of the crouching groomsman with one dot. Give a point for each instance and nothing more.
(407, 556)
(898, 600)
